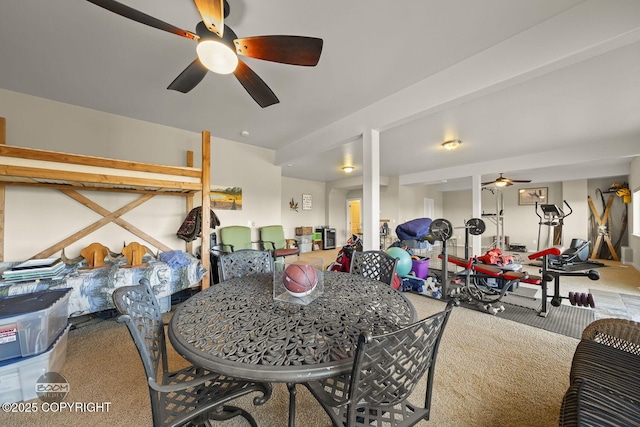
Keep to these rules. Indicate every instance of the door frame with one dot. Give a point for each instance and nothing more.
(348, 216)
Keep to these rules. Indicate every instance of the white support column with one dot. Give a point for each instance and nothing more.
(371, 189)
(476, 197)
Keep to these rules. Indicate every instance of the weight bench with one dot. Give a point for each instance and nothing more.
(579, 299)
(477, 275)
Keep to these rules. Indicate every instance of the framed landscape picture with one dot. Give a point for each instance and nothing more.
(226, 198)
(529, 196)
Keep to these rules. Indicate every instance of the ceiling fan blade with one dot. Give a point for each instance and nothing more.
(293, 50)
(256, 87)
(143, 18)
(520, 180)
(212, 13)
(190, 77)
(488, 183)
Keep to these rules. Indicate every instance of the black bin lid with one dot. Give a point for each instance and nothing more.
(19, 304)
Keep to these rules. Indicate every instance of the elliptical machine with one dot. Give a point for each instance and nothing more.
(553, 217)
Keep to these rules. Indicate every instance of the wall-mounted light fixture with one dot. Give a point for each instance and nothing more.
(347, 169)
(452, 144)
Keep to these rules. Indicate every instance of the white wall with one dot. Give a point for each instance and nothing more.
(293, 188)
(336, 215)
(38, 218)
(520, 222)
(634, 185)
(576, 225)
(253, 169)
(400, 204)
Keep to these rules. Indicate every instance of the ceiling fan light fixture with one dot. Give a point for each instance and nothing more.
(347, 169)
(501, 183)
(217, 56)
(451, 144)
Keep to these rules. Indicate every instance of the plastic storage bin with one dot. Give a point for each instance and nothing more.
(29, 323)
(18, 377)
(420, 267)
(165, 304)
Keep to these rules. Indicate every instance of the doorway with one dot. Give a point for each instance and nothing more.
(354, 217)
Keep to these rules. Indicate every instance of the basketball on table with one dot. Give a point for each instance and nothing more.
(300, 279)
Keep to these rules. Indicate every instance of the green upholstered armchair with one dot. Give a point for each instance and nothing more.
(272, 239)
(235, 237)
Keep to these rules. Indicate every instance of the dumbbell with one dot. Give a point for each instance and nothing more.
(575, 298)
(581, 299)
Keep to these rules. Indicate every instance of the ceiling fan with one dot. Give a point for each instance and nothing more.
(218, 48)
(501, 181)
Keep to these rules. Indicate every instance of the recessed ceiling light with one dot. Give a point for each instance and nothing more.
(452, 144)
(244, 133)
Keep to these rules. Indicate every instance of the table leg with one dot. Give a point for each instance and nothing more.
(292, 404)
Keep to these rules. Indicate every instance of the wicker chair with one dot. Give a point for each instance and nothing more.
(189, 395)
(385, 371)
(243, 262)
(604, 377)
(377, 265)
(617, 333)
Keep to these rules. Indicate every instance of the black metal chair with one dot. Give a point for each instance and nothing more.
(386, 369)
(377, 265)
(190, 395)
(245, 261)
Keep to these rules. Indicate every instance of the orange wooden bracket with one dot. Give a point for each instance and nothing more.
(134, 252)
(95, 254)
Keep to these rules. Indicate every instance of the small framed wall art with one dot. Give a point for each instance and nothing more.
(307, 202)
(529, 196)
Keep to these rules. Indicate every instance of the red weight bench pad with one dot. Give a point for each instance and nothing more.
(495, 272)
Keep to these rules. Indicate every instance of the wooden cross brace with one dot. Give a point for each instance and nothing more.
(108, 217)
(602, 228)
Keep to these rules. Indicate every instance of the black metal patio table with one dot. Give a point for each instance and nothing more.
(238, 329)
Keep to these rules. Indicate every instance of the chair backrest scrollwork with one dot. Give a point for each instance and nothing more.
(141, 313)
(244, 262)
(377, 265)
(388, 367)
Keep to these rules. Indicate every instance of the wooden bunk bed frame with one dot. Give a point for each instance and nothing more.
(69, 173)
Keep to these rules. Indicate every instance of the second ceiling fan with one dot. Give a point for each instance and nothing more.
(501, 181)
(218, 48)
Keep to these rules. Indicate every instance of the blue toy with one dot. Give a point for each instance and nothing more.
(404, 260)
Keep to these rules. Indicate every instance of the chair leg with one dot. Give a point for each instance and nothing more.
(261, 400)
(228, 412)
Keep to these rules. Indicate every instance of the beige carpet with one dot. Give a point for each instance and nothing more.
(490, 372)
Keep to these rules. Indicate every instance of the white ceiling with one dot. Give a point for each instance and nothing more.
(538, 89)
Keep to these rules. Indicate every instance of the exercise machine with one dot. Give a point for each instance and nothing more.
(553, 217)
(474, 227)
(549, 275)
(487, 284)
(577, 253)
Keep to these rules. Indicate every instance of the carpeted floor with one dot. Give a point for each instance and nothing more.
(490, 373)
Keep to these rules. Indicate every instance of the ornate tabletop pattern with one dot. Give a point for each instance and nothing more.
(238, 323)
